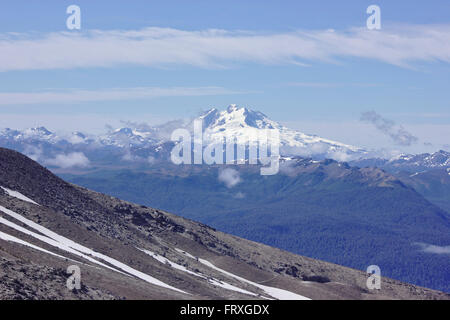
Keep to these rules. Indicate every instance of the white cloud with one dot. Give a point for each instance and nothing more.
(287, 168)
(33, 152)
(74, 159)
(71, 96)
(322, 85)
(160, 47)
(239, 195)
(430, 248)
(340, 156)
(229, 176)
(315, 149)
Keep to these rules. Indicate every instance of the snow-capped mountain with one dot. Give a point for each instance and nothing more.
(128, 137)
(242, 123)
(36, 134)
(40, 135)
(409, 162)
(439, 159)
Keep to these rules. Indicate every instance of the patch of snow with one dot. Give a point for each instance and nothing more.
(186, 254)
(213, 281)
(18, 195)
(174, 265)
(415, 174)
(7, 237)
(49, 241)
(277, 293)
(68, 245)
(230, 287)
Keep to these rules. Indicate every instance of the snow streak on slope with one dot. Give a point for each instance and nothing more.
(277, 293)
(18, 195)
(49, 241)
(68, 245)
(186, 253)
(213, 281)
(7, 237)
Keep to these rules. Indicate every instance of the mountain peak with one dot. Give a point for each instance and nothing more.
(126, 131)
(242, 122)
(235, 117)
(233, 107)
(39, 130)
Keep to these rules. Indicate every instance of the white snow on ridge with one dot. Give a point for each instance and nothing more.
(277, 293)
(186, 253)
(68, 245)
(18, 195)
(7, 237)
(213, 281)
(50, 241)
(174, 265)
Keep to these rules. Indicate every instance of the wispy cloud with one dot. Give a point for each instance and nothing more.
(323, 85)
(396, 132)
(430, 248)
(160, 47)
(74, 159)
(74, 95)
(229, 176)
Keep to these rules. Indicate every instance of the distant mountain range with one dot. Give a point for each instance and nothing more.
(411, 163)
(141, 142)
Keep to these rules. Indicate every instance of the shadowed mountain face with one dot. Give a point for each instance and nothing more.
(428, 174)
(433, 184)
(130, 251)
(325, 210)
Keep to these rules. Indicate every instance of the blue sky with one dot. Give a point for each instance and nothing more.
(310, 65)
